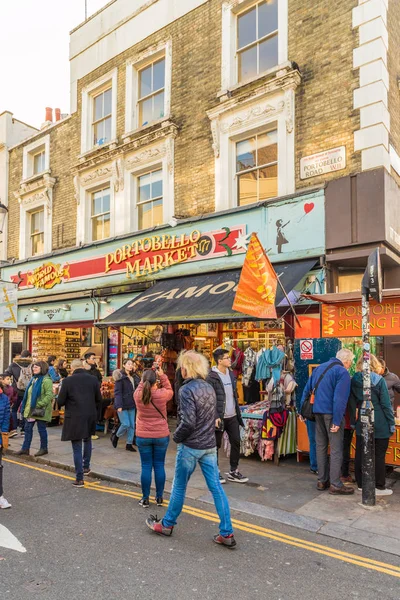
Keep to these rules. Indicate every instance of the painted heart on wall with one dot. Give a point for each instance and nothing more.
(308, 207)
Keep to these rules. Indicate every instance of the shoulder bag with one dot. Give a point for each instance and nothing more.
(307, 409)
(158, 410)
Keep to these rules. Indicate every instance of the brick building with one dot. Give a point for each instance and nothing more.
(184, 111)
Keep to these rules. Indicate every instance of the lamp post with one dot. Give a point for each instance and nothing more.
(371, 287)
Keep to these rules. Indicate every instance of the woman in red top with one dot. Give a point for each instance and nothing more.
(152, 432)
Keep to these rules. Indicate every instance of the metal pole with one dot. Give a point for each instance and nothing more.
(85, 10)
(367, 412)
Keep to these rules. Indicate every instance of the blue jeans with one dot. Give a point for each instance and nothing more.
(41, 425)
(313, 445)
(14, 413)
(127, 420)
(152, 456)
(79, 461)
(186, 462)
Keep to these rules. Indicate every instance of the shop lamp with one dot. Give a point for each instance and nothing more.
(33, 309)
(3, 214)
(66, 307)
(104, 300)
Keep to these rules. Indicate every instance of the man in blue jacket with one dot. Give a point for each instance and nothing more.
(330, 404)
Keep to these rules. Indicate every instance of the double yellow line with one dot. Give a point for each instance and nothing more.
(354, 559)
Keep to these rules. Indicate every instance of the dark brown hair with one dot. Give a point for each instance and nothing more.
(44, 367)
(149, 378)
(60, 364)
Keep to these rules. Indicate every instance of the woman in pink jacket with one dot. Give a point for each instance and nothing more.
(152, 432)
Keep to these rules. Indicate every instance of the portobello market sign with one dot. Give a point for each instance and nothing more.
(140, 258)
(344, 320)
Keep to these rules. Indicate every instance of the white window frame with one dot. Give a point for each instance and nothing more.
(41, 209)
(137, 202)
(88, 93)
(236, 139)
(229, 69)
(91, 216)
(240, 122)
(28, 157)
(133, 67)
(30, 204)
(156, 157)
(84, 213)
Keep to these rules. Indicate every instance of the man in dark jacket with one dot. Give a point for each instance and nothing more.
(22, 363)
(80, 394)
(229, 417)
(195, 437)
(331, 397)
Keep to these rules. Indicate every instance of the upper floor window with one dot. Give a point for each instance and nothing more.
(37, 232)
(257, 39)
(151, 81)
(148, 87)
(36, 157)
(257, 168)
(39, 162)
(100, 214)
(101, 114)
(150, 199)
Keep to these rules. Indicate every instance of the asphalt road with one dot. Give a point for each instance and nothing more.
(92, 543)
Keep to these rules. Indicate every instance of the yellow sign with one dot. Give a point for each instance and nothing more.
(152, 254)
(48, 275)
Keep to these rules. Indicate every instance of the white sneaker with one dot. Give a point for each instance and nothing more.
(385, 492)
(4, 503)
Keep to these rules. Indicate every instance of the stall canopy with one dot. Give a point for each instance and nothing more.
(198, 298)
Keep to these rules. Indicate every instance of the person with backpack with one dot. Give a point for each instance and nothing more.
(329, 384)
(21, 372)
(37, 407)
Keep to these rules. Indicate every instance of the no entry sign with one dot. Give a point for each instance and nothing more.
(306, 349)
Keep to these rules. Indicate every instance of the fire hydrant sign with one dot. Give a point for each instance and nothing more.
(306, 349)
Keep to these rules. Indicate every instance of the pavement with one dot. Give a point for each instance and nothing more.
(60, 542)
(283, 494)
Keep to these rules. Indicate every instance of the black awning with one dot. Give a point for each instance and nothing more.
(198, 298)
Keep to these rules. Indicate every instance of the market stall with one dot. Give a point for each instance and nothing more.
(341, 319)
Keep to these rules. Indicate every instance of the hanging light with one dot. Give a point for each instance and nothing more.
(66, 307)
(104, 300)
(3, 214)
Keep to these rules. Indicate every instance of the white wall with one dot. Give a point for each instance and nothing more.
(118, 27)
(12, 132)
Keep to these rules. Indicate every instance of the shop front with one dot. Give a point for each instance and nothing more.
(341, 321)
(172, 288)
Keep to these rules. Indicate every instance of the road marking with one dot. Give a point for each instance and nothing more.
(8, 540)
(354, 559)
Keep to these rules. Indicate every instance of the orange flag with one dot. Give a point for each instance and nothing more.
(256, 290)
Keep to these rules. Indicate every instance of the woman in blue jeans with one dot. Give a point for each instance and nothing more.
(126, 381)
(37, 407)
(196, 441)
(152, 432)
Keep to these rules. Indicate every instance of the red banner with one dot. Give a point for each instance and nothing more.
(140, 258)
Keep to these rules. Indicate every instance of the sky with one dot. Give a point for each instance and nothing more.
(34, 54)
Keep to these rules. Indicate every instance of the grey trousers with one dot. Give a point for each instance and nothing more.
(329, 472)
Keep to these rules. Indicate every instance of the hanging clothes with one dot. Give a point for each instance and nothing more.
(249, 362)
(237, 362)
(270, 364)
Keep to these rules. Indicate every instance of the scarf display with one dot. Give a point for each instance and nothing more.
(270, 364)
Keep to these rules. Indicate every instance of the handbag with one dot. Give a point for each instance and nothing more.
(38, 412)
(307, 408)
